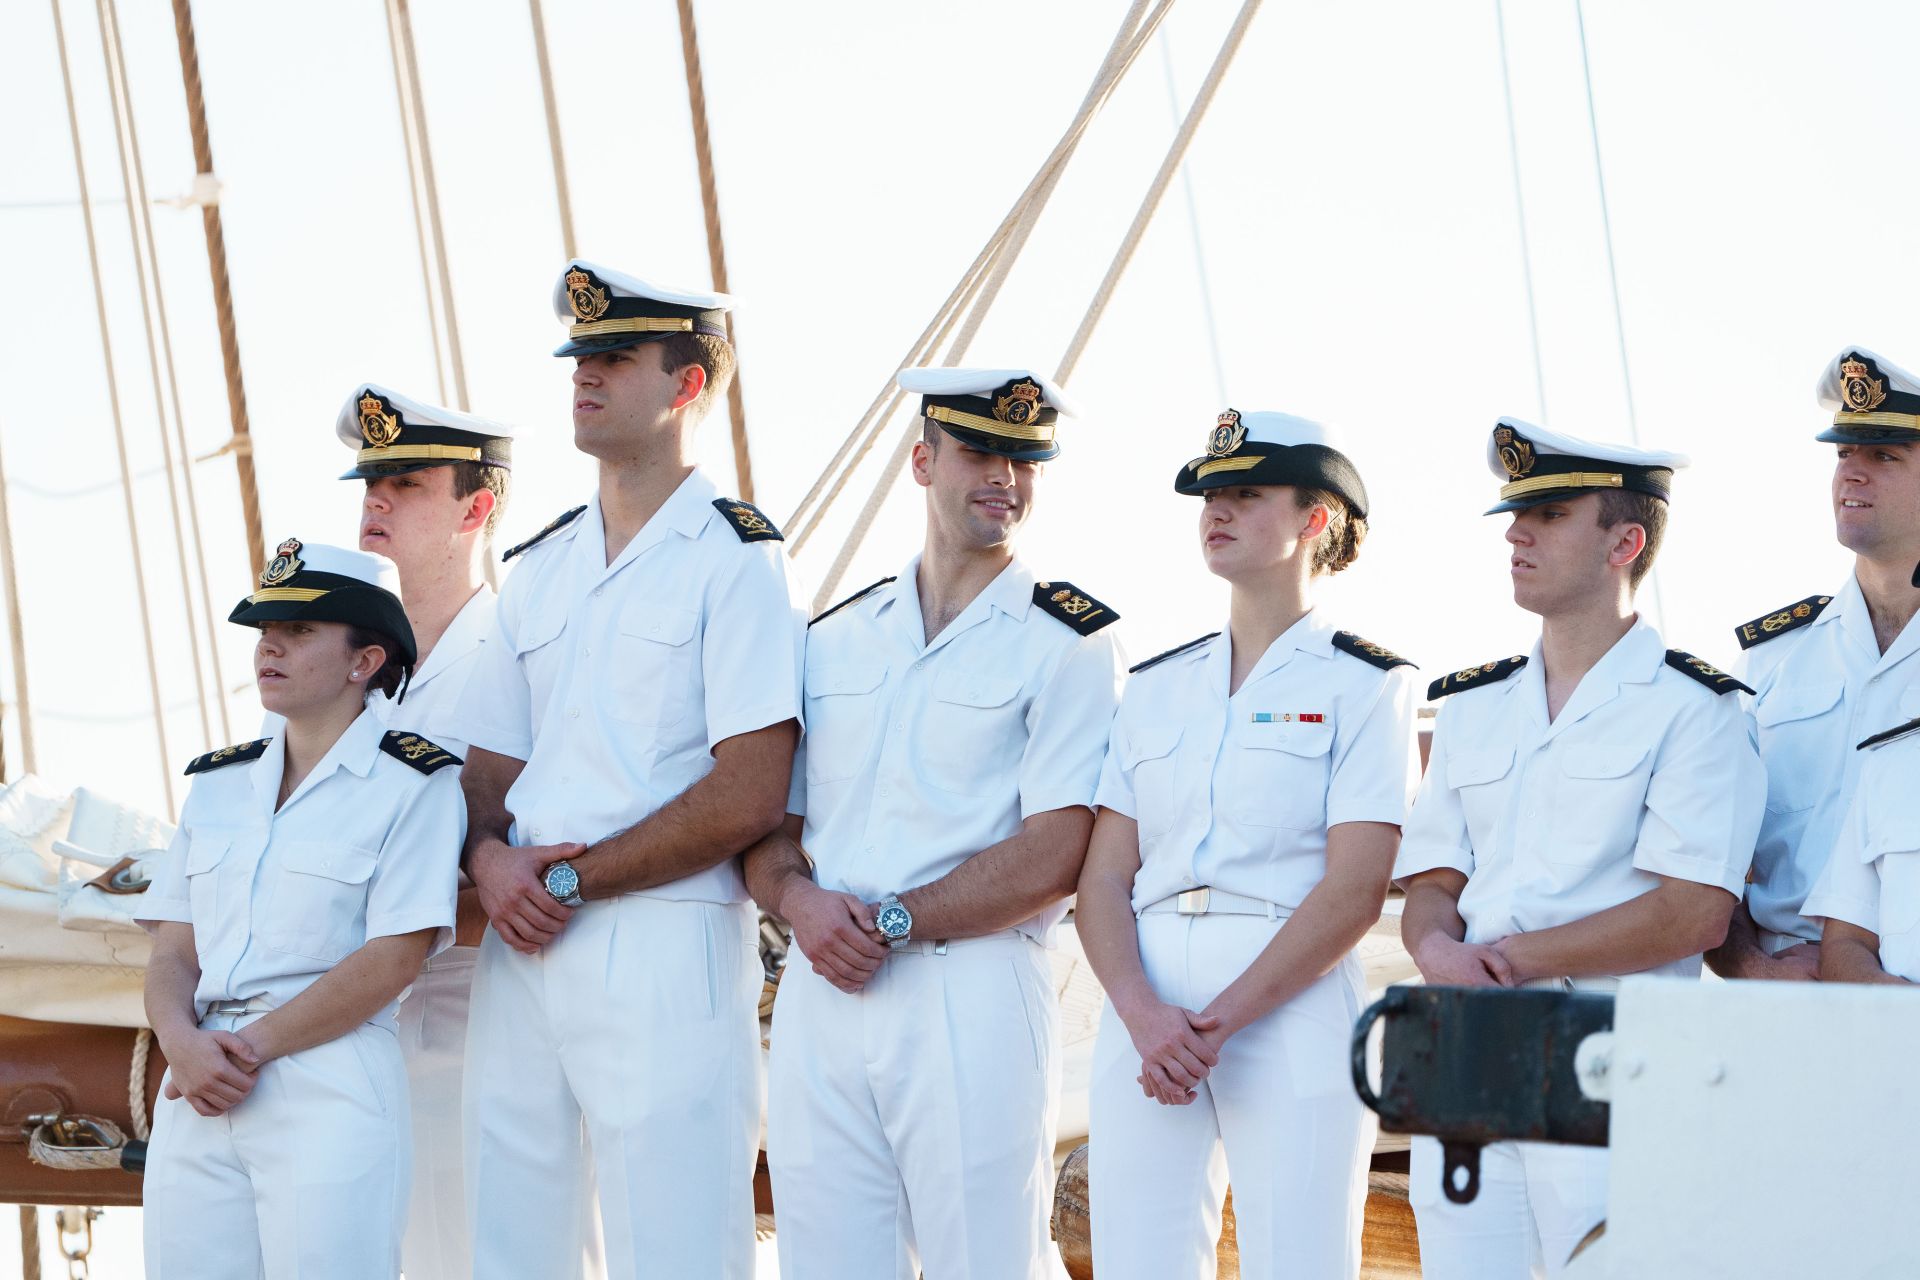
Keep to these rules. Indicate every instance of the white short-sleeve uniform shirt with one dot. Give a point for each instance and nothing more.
(920, 754)
(1236, 792)
(1819, 689)
(1645, 773)
(1872, 878)
(367, 846)
(615, 681)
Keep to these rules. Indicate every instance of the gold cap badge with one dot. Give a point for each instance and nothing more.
(588, 300)
(1018, 406)
(285, 563)
(1228, 434)
(1515, 450)
(1858, 390)
(379, 425)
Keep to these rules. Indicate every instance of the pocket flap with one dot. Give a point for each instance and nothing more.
(1468, 768)
(344, 863)
(825, 679)
(1151, 742)
(1601, 762)
(1797, 701)
(537, 629)
(662, 624)
(972, 689)
(1899, 833)
(205, 851)
(1298, 739)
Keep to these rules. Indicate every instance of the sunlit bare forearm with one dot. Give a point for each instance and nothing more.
(343, 997)
(1103, 912)
(485, 779)
(1005, 883)
(717, 818)
(1849, 953)
(173, 974)
(1676, 920)
(775, 864)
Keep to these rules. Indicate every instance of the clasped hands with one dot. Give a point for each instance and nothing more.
(1177, 1047)
(513, 890)
(837, 934)
(213, 1070)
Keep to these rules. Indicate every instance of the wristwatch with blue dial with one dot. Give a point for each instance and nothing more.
(563, 882)
(894, 921)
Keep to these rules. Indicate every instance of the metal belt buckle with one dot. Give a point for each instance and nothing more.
(1193, 902)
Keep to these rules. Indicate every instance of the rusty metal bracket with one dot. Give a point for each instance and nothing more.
(1472, 1066)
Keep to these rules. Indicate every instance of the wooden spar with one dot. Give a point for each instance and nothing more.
(414, 107)
(134, 555)
(563, 197)
(241, 443)
(716, 246)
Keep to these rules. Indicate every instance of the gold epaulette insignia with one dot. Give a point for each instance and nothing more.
(558, 524)
(1703, 671)
(229, 755)
(417, 751)
(1073, 606)
(1368, 651)
(857, 596)
(1780, 621)
(1174, 652)
(748, 521)
(1472, 677)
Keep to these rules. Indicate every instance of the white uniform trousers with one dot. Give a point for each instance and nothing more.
(305, 1180)
(910, 1127)
(1537, 1201)
(641, 1018)
(1279, 1106)
(433, 1043)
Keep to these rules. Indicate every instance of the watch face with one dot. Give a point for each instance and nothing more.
(894, 921)
(562, 881)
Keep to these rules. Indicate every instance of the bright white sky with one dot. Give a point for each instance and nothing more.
(1354, 202)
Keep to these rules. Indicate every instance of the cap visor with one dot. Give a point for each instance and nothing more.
(594, 346)
(1868, 435)
(1018, 450)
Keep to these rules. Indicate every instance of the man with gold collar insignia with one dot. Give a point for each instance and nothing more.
(1832, 669)
(632, 730)
(956, 722)
(1588, 811)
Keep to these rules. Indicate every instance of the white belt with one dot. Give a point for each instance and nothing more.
(236, 1008)
(1572, 984)
(940, 946)
(1206, 901)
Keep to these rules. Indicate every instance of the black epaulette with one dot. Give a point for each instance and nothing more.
(545, 533)
(861, 594)
(1073, 606)
(1472, 677)
(1368, 651)
(417, 751)
(1781, 621)
(1174, 652)
(1703, 671)
(1888, 735)
(229, 755)
(748, 521)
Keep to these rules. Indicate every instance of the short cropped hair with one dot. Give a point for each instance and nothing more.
(1620, 506)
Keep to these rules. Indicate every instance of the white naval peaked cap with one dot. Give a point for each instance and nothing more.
(393, 434)
(373, 569)
(1872, 399)
(1540, 465)
(1011, 412)
(1267, 448)
(1267, 427)
(607, 309)
(315, 582)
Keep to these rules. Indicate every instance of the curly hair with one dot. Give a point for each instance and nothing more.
(1339, 543)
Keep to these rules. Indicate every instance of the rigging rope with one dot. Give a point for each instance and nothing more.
(1128, 41)
(562, 195)
(146, 263)
(409, 146)
(716, 246)
(1520, 210)
(113, 398)
(1201, 275)
(16, 630)
(222, 287)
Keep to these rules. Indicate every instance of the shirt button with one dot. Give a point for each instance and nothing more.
(573, 713)
(1189, 881)
(536, 833)
(588, 650)
(598, 590)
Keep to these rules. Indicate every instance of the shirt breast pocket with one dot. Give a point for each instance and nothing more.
(537, 655)
(1151, 762)
(319, 903)
(1799, 734)
(1479, 778)
(1601, 795)
(843, 714)
(975, 732)
(205, 852)
(1279, 779)
(655, 678)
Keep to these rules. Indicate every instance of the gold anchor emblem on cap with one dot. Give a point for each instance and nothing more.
(379, 425)
(1228, 434)
(1515, 450)
(285, 563)
(588, 300)
(1019, 404)
(1860, 391)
